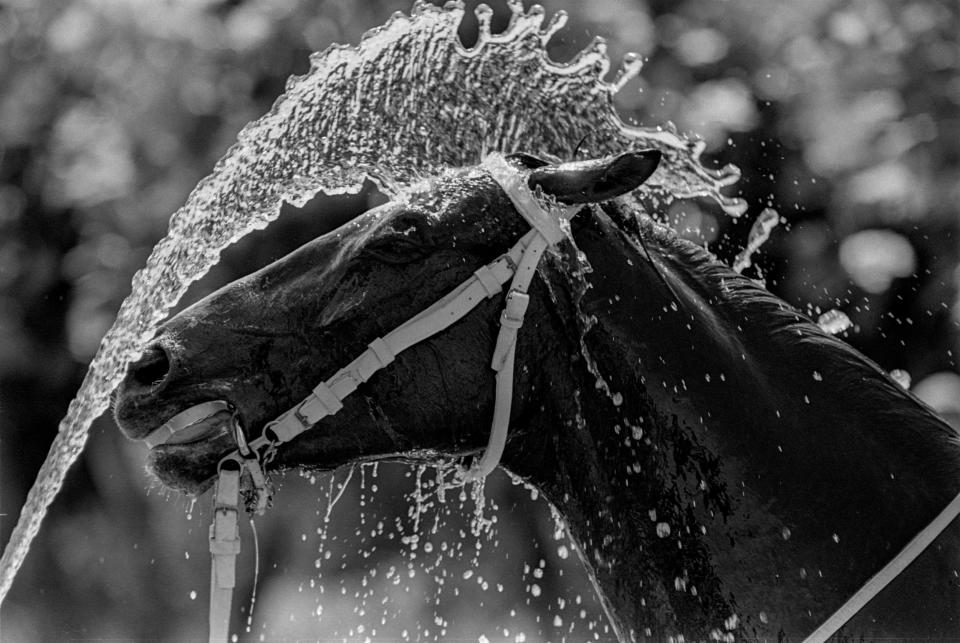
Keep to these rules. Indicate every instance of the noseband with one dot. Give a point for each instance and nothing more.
(518, 266)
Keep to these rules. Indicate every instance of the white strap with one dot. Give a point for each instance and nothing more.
(549, 233)
(883, 578)
(224, 547)
(502, 362)
(179, 425)
(514, 183)
(326, 399)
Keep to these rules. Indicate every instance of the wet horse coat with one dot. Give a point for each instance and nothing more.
(723, 464)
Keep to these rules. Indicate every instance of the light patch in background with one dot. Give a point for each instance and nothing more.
(874, 258)
(840, 134)
(91, 160)
(701, 46)
(941, 391)
(890, 182)
(717, 107)
(693, 223)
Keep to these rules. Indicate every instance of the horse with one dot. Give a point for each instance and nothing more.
(726, 468)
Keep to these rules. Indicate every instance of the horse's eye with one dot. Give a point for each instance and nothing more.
(404, 238)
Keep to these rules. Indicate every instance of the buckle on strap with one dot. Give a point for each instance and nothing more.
(514, 309)
(511, 319)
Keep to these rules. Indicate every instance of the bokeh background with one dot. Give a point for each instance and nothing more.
(842, 115)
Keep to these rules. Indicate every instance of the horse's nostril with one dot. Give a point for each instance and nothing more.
(151, 368)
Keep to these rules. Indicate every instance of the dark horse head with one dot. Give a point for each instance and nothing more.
(725, 467)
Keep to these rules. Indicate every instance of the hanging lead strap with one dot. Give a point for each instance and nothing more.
(890, 571)
(224, 548)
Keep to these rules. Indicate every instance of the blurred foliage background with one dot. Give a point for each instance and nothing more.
(843, 115)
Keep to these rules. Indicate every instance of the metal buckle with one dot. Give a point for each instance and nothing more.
(252, 463)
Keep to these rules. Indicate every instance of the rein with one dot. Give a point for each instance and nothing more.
(518, 266)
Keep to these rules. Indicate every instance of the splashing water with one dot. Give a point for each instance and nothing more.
(408, 101)
(834, 322)
(759, 233)
(901, 377)
(438, 559)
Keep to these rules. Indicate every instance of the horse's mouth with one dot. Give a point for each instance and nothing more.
(187, 461)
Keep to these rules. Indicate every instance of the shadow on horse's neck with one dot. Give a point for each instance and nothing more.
(718, 455)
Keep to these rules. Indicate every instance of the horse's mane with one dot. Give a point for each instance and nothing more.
(783, 346)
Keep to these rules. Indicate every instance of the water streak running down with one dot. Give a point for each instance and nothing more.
(407, 102)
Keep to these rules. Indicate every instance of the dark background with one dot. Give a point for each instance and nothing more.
(844, 116)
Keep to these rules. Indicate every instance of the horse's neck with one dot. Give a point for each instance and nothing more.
(720, 439)
(632, 486)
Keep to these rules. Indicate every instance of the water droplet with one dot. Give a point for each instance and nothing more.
(817, 376)
(193, 595)
(759, 233)
(901, 377)
(834, 322)
(663, 529)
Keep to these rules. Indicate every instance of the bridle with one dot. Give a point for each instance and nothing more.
(518, 266)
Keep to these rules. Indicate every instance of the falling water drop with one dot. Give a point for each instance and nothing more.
(834, 322)
(901, 377)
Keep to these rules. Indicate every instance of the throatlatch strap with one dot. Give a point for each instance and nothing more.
(548, 233)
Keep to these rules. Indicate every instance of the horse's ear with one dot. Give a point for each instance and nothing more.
(595, 180)
(529, 161)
